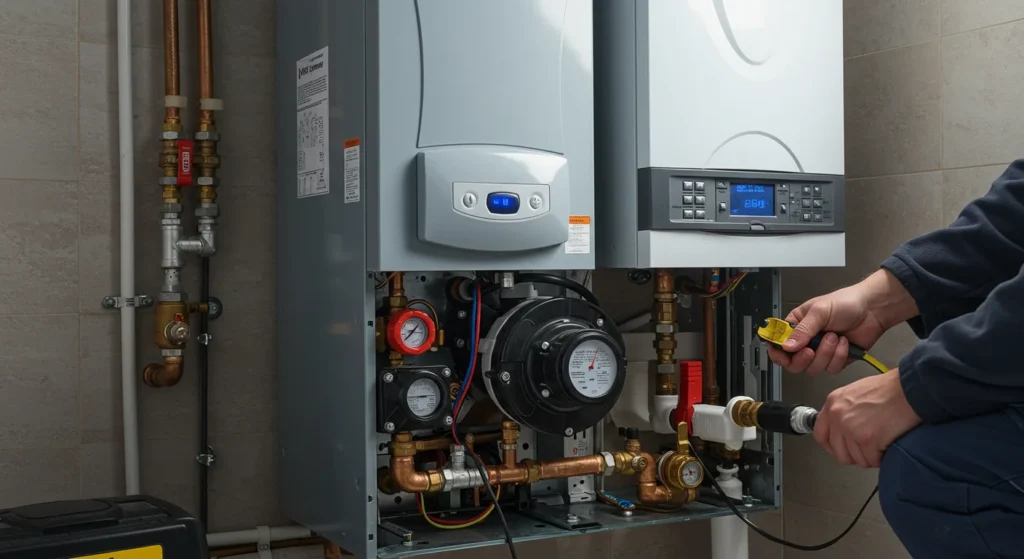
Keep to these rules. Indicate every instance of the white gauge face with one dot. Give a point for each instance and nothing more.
(593, 368)
(692, 474)
(414, 332)
(423, 397)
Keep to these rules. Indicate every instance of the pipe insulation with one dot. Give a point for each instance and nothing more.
(126, 141)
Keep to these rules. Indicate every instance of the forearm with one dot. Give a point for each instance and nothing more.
(888, 299)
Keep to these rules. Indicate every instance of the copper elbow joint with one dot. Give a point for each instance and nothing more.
(167, 374)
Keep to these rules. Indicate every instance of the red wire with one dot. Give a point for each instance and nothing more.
(472, 364)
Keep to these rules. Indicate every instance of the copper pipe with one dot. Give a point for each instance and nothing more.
(470, 446)
(167, 374)
(711, 391)
(648, 491)
(509, 442)
(402, 474)
(172, 83)
(664, 316)
(205, 59)
(235, 550)
(397, 301)
(442, 443)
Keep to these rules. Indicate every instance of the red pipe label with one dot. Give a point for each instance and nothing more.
(185, 151)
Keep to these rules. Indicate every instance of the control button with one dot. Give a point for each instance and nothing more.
(805, 203)
(817, 217)
(756, 227)
(720, 184)
(784, 187)
(700, 200)
(688, 185)
(469, 200)
(782, 208)
(817, 190)
(688, 199)
(807, 217)
(721, 206)
(817, 202)
(687, 214)
(807, 189)
(700, 214)
(699, 185)
(536, 201)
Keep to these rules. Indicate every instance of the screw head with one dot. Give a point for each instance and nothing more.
(389, 427)
(544, 346)
(389, 377)
(569, 431)
(446, 372)
(572, 518)
(627, 513)
(505, 377)
(448, 420)
(600, 322)
(545, 392)
(462, 314)
(460, 343)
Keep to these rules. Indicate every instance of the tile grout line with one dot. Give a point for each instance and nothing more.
(890, 49)
(939, 38)
(982, 28)
(939, 170)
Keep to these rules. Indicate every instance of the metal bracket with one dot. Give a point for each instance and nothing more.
(396, 530)
(208, 458)
(139, 301)
(561, 516)
(205, 338)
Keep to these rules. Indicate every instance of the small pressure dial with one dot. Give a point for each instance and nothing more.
(411, 332)
(692, 475)
(423, 397)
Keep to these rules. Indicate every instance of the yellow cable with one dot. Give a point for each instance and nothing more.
(870, 360)
(487, 512)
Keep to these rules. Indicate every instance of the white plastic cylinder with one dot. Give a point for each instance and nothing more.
(729, 535)
(243, 537)
(129, 409)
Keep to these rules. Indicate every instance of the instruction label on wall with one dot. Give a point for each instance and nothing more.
(313, 137)
(351, 170)
(579, 235)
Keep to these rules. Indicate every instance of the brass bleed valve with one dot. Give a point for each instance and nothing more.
(171, 331)
(678, 469)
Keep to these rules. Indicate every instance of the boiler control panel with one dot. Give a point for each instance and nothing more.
(740, 201)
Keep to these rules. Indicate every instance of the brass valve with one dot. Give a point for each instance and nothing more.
(679, 469)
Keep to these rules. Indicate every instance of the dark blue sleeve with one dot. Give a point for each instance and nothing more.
(951, 271)
(971, 364)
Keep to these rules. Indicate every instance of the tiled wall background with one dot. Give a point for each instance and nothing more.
(931, 87)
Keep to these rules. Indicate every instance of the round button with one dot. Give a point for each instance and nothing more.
(469, 200)
(536, 201)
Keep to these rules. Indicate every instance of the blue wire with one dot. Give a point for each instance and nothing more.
(472, 352)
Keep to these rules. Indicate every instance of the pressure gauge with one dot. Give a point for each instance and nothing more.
(592, 368)
(411, 332)
(423, 397)
(692, 475)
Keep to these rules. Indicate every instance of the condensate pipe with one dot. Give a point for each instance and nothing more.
(126, 141)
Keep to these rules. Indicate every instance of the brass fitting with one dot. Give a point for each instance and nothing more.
(664, 315)
(509, 442)
(744, 413)
(170, 323)
(673, 466)
(167, 374)
(648, 491)
(396, 293)
(403, 445)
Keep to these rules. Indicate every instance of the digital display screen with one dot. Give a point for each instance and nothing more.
(752, 200)
(503, 203)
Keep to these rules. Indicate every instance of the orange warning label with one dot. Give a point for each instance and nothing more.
(351, 143)
(579, 220)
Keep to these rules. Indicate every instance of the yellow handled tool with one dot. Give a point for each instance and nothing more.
(776, 331)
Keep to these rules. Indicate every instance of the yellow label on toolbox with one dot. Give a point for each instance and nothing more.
(150, 552)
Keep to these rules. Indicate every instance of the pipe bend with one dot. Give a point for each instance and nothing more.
(404, 477)
(165, 375)
(648, 490)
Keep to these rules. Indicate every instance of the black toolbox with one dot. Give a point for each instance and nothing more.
(136, 527)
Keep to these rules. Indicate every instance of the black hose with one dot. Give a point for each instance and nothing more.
(559, 281)
(204, 395)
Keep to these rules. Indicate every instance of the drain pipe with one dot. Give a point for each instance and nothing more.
(129, 407)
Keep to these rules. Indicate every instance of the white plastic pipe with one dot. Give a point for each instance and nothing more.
(242, 537)
(129, 409)
(729, 535)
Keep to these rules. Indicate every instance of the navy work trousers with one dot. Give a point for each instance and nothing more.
(957, 489)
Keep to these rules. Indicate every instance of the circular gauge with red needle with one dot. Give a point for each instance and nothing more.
(593, 367)
(411, 332)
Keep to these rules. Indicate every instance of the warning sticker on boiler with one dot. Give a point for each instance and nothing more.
(313, 137)
(579, 235)
(351, 170)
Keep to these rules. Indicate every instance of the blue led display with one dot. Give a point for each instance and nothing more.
(752, 200)
(503, 203)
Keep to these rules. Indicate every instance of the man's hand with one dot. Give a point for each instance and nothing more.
(858, 314)
(859, 421)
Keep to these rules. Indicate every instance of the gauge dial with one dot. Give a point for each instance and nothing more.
(593, 368)
(414, 332)
(423, 397)
(692, 474)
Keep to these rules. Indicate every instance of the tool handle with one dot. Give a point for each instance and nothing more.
(855, 351)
